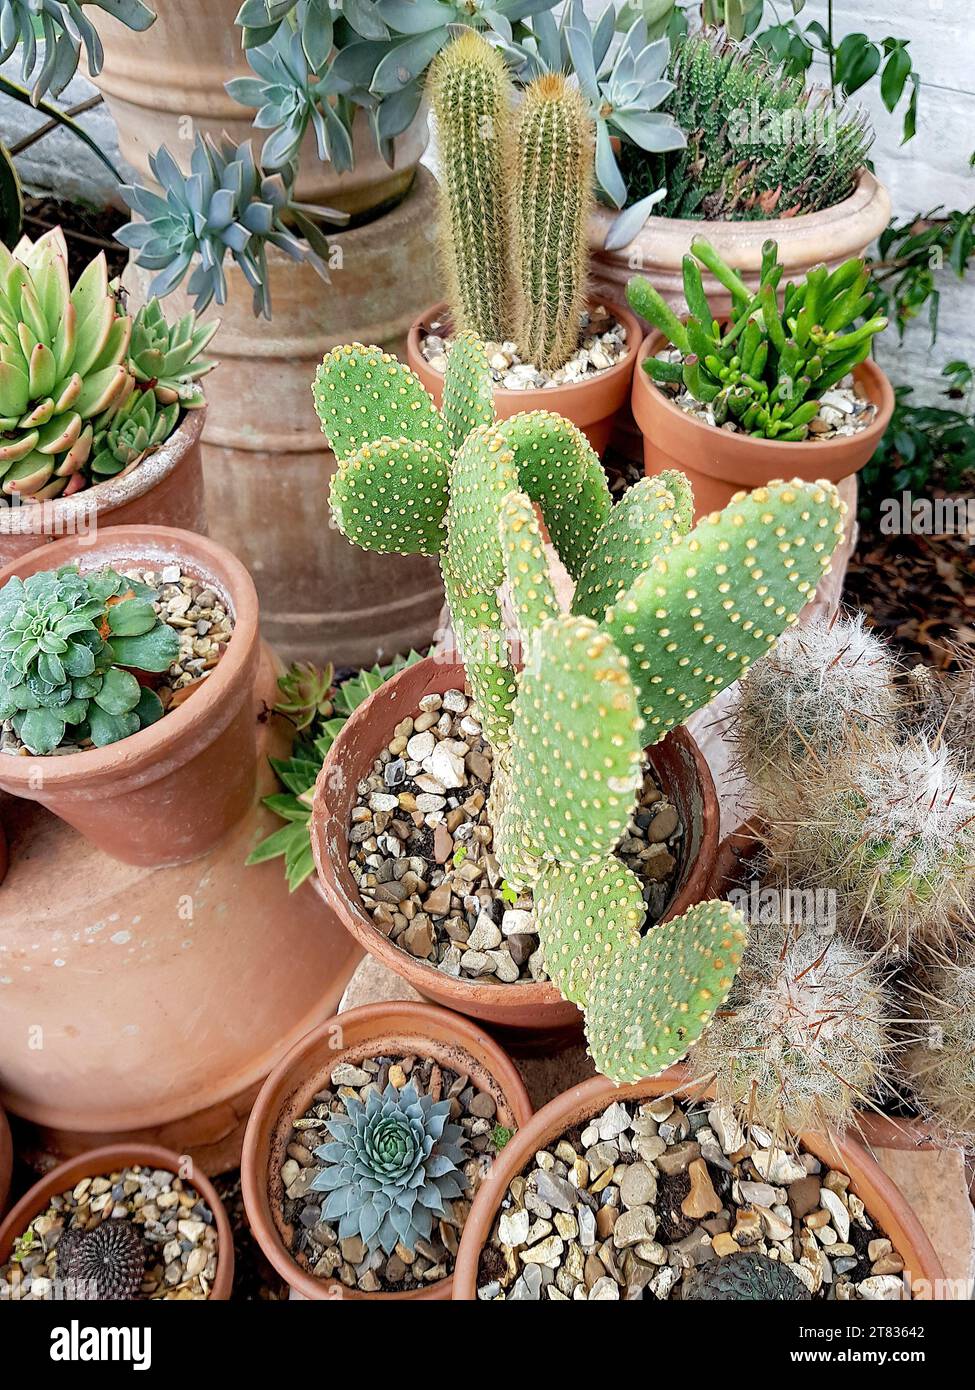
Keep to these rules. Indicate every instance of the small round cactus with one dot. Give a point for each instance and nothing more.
(745, 1278)
(818, 686)
(804, 1035)
(939, 1059)
(105, 1263)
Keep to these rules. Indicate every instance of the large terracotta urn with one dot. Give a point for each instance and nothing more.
(166, 84)
(149, 979)
(265, 460)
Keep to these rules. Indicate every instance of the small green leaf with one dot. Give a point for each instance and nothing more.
(153, 651)
(120, 692)
(110, 728)
(133, 618)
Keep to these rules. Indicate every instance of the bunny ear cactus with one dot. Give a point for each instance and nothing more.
(687, 611)
(62, 363)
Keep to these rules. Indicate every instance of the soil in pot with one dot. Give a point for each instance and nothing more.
(156, 1236)
(205, 626)
(602, 344)
(316, 1243)
(420, 842)
(666, 1199)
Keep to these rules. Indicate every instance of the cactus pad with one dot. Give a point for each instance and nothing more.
(720, 596)
(559, 469)
(362, 394)
(482, 475)
(583, 915)
(576, 753)
(391, 495)
(525, 563)
(480, 633)
(468, 391)
(649, 1003)
(640, 526)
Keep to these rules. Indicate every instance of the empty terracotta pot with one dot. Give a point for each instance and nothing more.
(720, 463)
(880, 1196)
(165, 489)
(591, 404)
(6, 1161)
(168, 793)
(147, 1005)
(100, 1162)
(404, 1029)
(530, 1015)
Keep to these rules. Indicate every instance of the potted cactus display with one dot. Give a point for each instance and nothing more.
(774, 389)
(366, 1146)
(765, 155)
(89, 396)
(692, 1212)
(516, 193)
(663, 617)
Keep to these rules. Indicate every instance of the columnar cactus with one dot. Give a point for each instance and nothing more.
(553, 198)
(515, 200)
(939, 1059)
(471, 96)
(665, 618)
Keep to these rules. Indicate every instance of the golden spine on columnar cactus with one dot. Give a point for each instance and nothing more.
(471, 97)
(553, 200)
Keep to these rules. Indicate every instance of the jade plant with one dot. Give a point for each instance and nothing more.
(85, 390)
(392, 1165)
(69, 644)
(515, 197)
(665, 616)
(765, 370)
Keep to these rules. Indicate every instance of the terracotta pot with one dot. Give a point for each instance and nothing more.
(369, 1031)
(590, 404)
(165, 489)
(529, 1015)
(881, 1198)
(720, 463)
(166, 84)
(830, 236)
(168, 793)
(98, 1162)
(266, 464)
(657, 251)
(98, 959)
(6, 1161)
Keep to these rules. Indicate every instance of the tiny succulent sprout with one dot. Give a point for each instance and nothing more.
(104, 1263)
(820, 687)
(393, 1164)
(69, 644)
(938, 1060)
(744, 1278)
(765, 369)
(307, 694)
(805, 1034)
(664, 618)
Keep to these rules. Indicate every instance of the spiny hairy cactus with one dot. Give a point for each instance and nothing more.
(688, 610)
(553, 200)
(804, 1035)
(515, 199)
(471, 96)
(892, 831)
(822, 685)
(939, 1061)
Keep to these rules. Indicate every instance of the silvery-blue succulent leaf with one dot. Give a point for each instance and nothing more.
(631, 220)
(393, 115)
(416, 16)
(608, 174)
(651, 61)
(602, 36)
(365, 18)
(579, 40)
(429, 1196)
(349, 1225)
(407, 60)
(651, 130)
(438, 1164)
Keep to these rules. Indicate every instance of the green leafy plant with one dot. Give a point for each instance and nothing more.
(515, 201)
(68, 646)
(661, 625)
(758, 143)
(766, 370)
(318, 709)
(743, 1278)
(62, 363)
(500, 1136)
(910, 254)
(63, 27)
(127, 431)
(923, 444)
(166, 359)
(392, 1166)
(226, 204)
